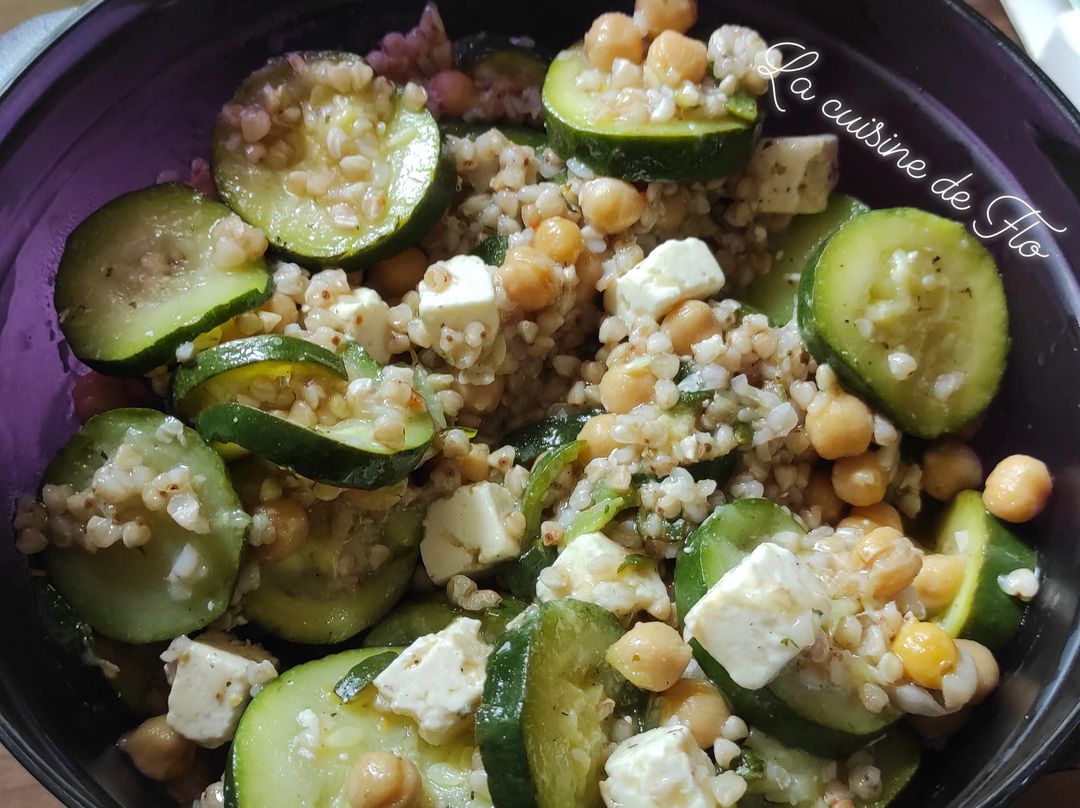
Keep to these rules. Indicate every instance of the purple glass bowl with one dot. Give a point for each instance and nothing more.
(132, 87)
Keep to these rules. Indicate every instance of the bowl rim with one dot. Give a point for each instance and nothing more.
(20, 746)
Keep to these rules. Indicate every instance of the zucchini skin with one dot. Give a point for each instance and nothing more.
(644, 158)
(500, 728)
(304, 450)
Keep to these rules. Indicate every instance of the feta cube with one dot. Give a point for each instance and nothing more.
(759, 615)
(213, 678)
(438, 680)
(466, 532)
(790, 174)
(594, 568)
(467, 297)
(366, 319)
(661, 768)
(677, 270)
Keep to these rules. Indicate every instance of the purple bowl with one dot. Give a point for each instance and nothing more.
(132, 88)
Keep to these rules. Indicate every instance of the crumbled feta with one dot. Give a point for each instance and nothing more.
(1022, 583)
(791, 174)
(213, 679)
(467, 532)
(664, 768)
(366, 320)
(438, 680)
(759, 615)
(594, 568)
(467, 296)
(675, 271)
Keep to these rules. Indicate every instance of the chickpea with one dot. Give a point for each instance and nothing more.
(950, 467)
(868, 517)
(928, 653)
(651, 656)
(474, 466)
(939, 580)
(674, 58)
(290, 528)
(860, 480)
(666, 15)
(482, 398)
(395, 276)
(613, 36)
(839, 425)
(590, 269)
(560, 239)
(597, 434)
(819, 492)
(383, 780)
(697, 705)
(157, 750)
(891, 560)
(528, 276)
(625, 386)
(452, 94)
(689, 323)
(986, 667)
(610, 205)
(1018, 488)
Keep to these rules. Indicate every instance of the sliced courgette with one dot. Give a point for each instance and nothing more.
(434, 613)
(539, 726)
(981, 610)
(686, 149)
(830, 718)
(407, 144)
(532, 440)
(901, 291)
(896, 755)
(138, 277)
(485, 56)
(773, 294)
(345, 454)
(215, 375)
(125, 593)
(304, 598)
(274, 764)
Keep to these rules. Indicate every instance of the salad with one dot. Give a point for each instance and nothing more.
(482, 426)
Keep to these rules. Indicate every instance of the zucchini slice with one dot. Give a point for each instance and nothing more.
(344, 454)
(532, 440)
(126, 593)
(138, 278)
(539, 729)
(896, 754)
(485, 56)
(773, 294)
(408, 621)
(909, 310)
(689, 149)
(981, 611)
(829, 719)
(214, 376)
(346, 174)
(278, 763)
(303, 598)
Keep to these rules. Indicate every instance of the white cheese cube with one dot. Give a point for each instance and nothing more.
(598, 570)
(213, 678)
(677, 270)
(438, 680)
(366, 320)
(791, 174)
(467, 297)
(661, 768)
(466, 532)
(759, 615)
